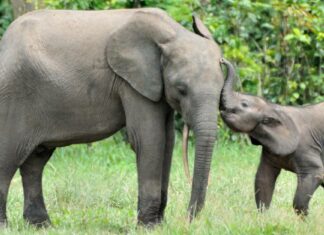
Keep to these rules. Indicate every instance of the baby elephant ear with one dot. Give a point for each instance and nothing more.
(200, 29)
(277, 133)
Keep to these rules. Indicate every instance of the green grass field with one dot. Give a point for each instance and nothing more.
(94, 191)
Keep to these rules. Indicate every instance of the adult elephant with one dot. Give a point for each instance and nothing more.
(70, 77)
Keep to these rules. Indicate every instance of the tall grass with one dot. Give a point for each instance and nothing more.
(94, 191)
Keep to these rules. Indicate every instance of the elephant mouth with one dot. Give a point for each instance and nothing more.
(231, 119)
(225, 115)
(253, 129)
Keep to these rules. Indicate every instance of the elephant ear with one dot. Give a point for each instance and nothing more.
(277, 133)
(134, 54)
(200, 29)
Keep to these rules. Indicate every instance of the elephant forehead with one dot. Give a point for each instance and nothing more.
(194, 47)
(191, 68)
(256, 102)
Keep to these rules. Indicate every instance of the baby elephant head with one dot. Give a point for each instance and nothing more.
(267, 124)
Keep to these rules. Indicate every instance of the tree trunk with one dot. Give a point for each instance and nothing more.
(21, 7)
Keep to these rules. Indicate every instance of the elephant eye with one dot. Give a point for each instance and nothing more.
(244, 104)
(269, 121)
(266, 120)
(182, 89)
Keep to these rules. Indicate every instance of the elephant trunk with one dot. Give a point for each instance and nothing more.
(205, 130)
(228, 95)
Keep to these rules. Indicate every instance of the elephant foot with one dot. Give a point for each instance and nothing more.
(149, 222)
(36, 214)
(149, 225)
(301, 213)
(39, 222)
(150, 213)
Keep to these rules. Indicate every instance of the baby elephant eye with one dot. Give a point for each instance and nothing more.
(266, 121)
(269, 121)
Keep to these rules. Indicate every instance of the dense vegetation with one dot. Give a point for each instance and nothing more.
(5, 16)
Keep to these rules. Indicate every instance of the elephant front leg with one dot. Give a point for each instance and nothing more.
(146, 128)
(264, 183)
(307, 184)
(149, 146)
(169, 144)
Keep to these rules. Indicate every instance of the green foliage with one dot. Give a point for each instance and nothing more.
(5, 16)
(79, 4)
(277, 46)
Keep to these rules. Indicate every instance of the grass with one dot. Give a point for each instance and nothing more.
(94, 191)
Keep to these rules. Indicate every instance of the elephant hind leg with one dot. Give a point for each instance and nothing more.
(7, 171)
(307, 184)
(31, 171)
(11, 156)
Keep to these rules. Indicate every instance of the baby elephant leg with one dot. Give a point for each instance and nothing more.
(307, 184)
(264, 183)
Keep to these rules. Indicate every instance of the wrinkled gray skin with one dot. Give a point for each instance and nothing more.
(292, 138)
(70, 77)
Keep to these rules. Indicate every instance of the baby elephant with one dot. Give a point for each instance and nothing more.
(292, 138)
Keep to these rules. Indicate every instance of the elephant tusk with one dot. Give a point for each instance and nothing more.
(185, 136)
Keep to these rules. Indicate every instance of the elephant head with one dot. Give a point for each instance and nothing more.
(162, 60)
(267, 124)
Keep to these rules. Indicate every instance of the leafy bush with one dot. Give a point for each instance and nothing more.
(276, 45)
(5, 16)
